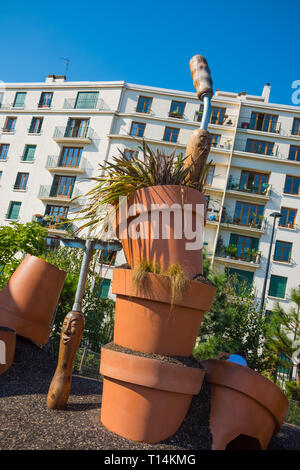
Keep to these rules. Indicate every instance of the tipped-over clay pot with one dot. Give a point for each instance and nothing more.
(7, 348)
(145, 320)
(246, 408)
(29, 299)
(144, 399)
(164, 248)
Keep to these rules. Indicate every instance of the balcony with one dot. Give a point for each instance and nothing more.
(99, 104)
(54, 227)
(234, 224)
(176, 114)
(229, 255)
(266, 126)
(272, 152)
(226, 120)
(252, 192)
(55, 165)
(46, 195)
(73, 135)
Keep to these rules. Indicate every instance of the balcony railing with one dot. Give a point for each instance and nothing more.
(259, 224)
(176, 114)
(230, 252)
(241, 146)
(46, 192)
(87, 104)
(235, 185)
(265, 126)
(226, 120)
(54, 161)
(73, 132)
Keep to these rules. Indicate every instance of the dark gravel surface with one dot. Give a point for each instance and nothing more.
(177, 360)
(26, 422)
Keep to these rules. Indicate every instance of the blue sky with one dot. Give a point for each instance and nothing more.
(150, 43)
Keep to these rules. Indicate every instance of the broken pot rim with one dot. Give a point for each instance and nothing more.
(265, 392)
(156, 287)
(151, 373)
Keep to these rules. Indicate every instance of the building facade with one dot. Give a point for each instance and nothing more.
(54, 135)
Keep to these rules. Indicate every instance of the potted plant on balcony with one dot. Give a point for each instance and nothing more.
(252, 219)
(253, 254)
(231, 251)
(260, 221)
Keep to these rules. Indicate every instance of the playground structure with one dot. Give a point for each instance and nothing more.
(148, 381)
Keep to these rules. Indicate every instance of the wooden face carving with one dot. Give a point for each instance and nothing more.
(72, 329)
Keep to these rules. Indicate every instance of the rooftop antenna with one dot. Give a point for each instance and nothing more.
(67, 63)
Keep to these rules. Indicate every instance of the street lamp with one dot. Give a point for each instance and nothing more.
(275, 215)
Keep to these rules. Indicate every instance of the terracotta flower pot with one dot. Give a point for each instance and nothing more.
(145, 321)
(246, 408)
(29, 299)
(7, 348)
(169, 250)
(144, 399)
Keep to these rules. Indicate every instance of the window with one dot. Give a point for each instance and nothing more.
(171, 134)
(1, 173)
(107, 257)
(19, 100)
(244, 246)
(14, 209)
(52, 243)
(288, 217)
(210, 175)
(21, 181)
(144, 104)
(62, 186)
(217, 115)
(294, 153)
(215, 141)
(292, 185)
(263, 122)
(10, 124)
(246, 213)
(77, 127)
(283, 251)
(1, 99)
(86, 100)
(101, 288)
(242, 276)
(259, 146)
(29, 152)
(57, 212)
(36, 125)
(71, 157)
(254, 182)
(137, 129)
(3, 151)
(45, 99)
(277, 286)
(296, 126)
(177, 109)
(129, 154)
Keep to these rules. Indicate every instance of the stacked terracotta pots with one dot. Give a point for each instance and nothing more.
(146, 397)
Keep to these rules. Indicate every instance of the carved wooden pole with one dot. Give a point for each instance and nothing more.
(199, 143)
(70, 338)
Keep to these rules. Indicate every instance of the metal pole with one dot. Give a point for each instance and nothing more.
(206, 112)
(263, 295)
(83, 275)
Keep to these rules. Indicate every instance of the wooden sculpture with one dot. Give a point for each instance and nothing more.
(70, 338)
(199, 142)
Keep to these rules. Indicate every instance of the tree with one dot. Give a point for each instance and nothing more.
(15, 241)
(283, 335)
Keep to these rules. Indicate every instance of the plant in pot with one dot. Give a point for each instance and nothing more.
(231, 251)
(260, 221)
(252, 219)
(159, 179)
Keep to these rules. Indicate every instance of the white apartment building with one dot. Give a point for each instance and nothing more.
(54, 135)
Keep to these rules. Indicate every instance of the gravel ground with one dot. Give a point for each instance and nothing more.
(26, 422)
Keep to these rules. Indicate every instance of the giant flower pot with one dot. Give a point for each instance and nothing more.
(145, 320)
(246, 408)
(145, 399)
(29, 299)
(163, 234)
(7, 348)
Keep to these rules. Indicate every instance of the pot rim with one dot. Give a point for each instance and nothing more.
(236, 377)
(151, 373)
(36, 259)
(198, 295)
